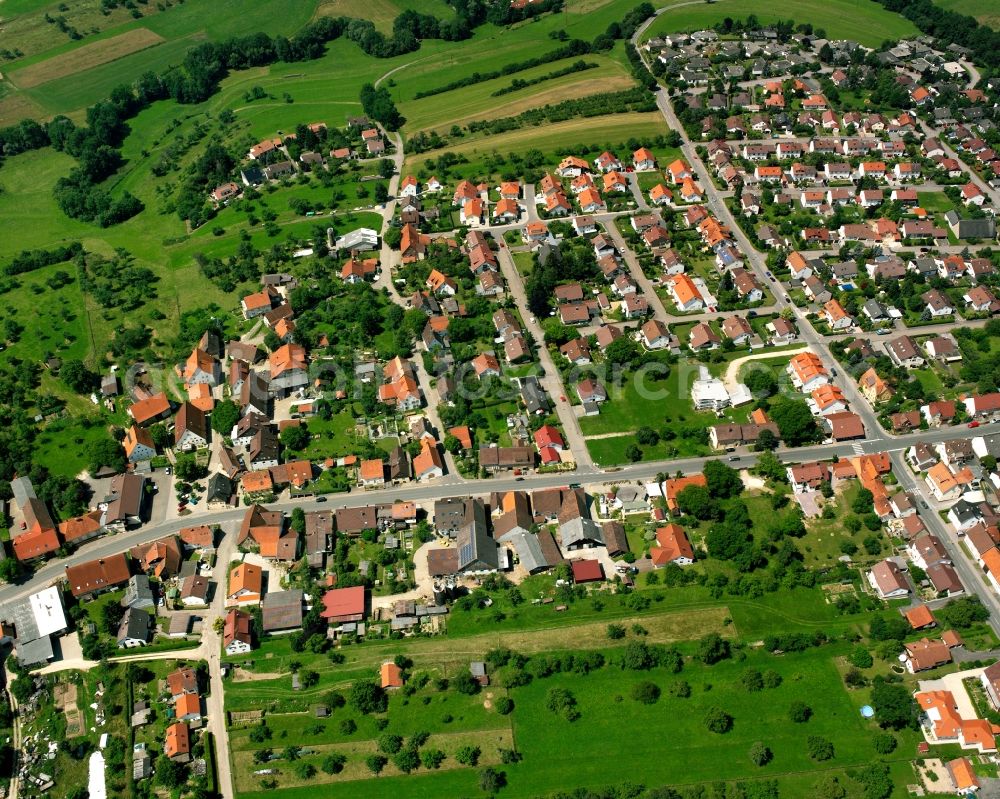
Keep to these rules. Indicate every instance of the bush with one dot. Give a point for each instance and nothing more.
(681, 689)
(819, 748)
(616, 632)
(348, 726)
(718, 721)
(884, 743)
(504, 705)
(646, 692)
(861, 658)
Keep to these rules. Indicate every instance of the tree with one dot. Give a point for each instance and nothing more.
(753, 681)
(718, 720)
(468, 755)
(407, 759)
(766, 441)
(187, 468)
(77, 376)
(368, 696)
(828, 786)
(646, 692)
(333, 763)
(105, 452)
(376, 763)
(304, 771)
(963, 612)
(638, 657)
(860, 657)
(562, 701)
(712, 648)
(431, 758)
(799, 712)
(795, 421)
(169, 774)
(760, 755)
(633, 453)
(697, 501)
(11, 570)
(884, 743)
(819, 748)
(491, 780)
(390, 743)
(111, 617)
(893, 705)
(761, 383)
(291, 752)
(616, 632)
(465, 683)
(295, 437)
(647, 436)
(505, 705)
(723, 482)
(225, 415)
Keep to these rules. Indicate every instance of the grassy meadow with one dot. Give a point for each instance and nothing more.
(862, 20)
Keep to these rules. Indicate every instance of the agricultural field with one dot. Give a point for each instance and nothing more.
(865, 22)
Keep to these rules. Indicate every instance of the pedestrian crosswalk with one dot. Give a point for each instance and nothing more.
(858, 448)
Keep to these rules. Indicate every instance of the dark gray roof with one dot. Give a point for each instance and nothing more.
(135, 625)
(476, 550)
(282, 610)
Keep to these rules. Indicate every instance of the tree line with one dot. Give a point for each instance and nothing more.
(574, 47)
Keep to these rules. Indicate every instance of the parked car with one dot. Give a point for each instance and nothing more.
(973, 424)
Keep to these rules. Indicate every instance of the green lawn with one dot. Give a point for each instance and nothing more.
(861, 20)
(935, 202)
(984, 12)
(637, 402)
(675, 747)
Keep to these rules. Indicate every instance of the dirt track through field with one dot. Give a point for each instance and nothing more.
(85, 57)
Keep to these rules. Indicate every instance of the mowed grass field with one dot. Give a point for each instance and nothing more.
(862, 20)
(382, 12)
(476, 102)
(85, 57)
(986, 13)
(560, 137)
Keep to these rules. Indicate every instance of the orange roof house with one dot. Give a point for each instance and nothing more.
(188, 706)
(672, 546)
(963, 775)
(148, 410)
(246, 583)
(138, 443)
(920, 617)
(464, 436)
(177, 745)
(392, 675)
